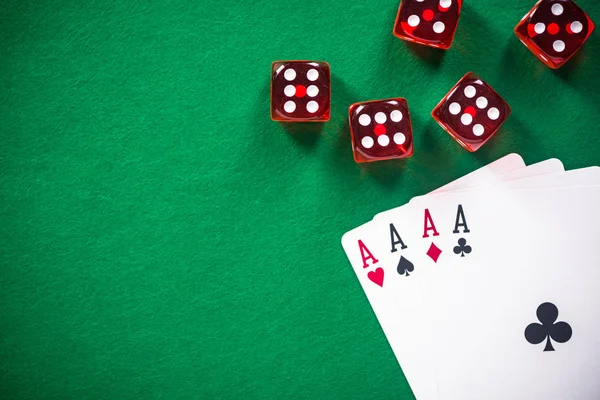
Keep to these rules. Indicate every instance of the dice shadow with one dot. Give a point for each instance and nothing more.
(532, 77)
(583, 64)
(435, 156)
(386, 173)
(473, 39)
(431, 55)
(306, 134)
(512, 137)
(572, 67)
(341, 158)
(341, 99)
(433, 147)
(275, 137)
(531, 70)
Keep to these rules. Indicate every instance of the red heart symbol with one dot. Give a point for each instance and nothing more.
(376, 276)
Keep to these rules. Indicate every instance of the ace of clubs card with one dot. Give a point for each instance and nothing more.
(517, 316)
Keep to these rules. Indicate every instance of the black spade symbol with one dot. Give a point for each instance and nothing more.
(405, 266)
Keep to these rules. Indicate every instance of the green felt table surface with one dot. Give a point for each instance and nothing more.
(162, 238)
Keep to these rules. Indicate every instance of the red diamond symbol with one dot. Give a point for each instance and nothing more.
(434, 252)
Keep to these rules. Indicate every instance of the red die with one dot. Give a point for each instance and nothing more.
(471, 112)
(380, 130)
(300, 91)
(554, 30)
(429, 22)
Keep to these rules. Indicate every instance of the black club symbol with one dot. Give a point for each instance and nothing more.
(462, 248)
(560, 332)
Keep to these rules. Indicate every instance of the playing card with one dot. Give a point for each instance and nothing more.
(435, 231)
(510, 167)
(514, 306)
(509, 163)
(390, 239)
(386, 268)
(543, 167)
(363, 250)
(489, 173)
(589, 176)
(546, 167)
(443, 236)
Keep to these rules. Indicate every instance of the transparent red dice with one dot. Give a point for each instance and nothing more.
(300, 91)
(428, 22)
(472, 112)
(380, 130)
(554, 30)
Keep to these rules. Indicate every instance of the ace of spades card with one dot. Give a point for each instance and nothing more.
(519, 313)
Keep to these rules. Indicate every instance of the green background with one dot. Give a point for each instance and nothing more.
(161, 237)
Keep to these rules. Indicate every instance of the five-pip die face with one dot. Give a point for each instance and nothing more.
(380, 130)
(472, 112)
(554, 30)
(300, 91)
(428, 22)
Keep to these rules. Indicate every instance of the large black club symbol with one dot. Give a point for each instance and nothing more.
(560, 332)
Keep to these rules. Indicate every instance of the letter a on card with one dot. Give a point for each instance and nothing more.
(460, 221)
(396, 239)
(366, 255)
(375, 276)
(429, 225)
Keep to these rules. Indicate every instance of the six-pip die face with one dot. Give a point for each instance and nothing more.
(428, 22)
(300, 91)
(380, 130)
(554, 30)
(472, 112)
